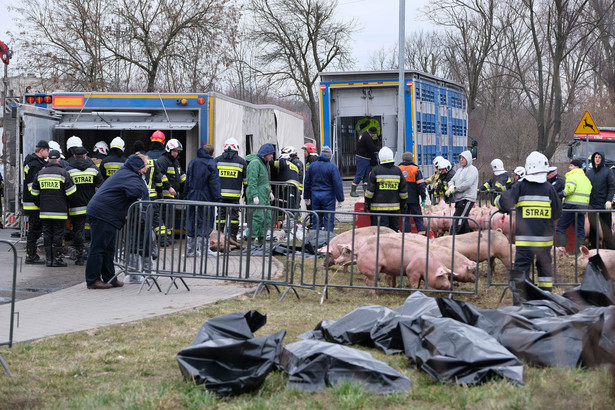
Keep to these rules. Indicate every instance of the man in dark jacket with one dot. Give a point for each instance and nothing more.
(31, 166)
(601, 197)
(115, 159)
(51, 188)
(87, 179)
(416, 191)
(107, 214)
(322, 186)
(232, 172)
(202, 184)
(366, 149)
(386, 191)
(556, 180)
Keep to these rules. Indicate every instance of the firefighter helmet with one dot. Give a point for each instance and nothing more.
(231, 144)
(287, 152)
(385, 155)
(437, 160)
(101, 147)
(497, 166)
(536, 167)
(174, 144)
(53, 145)
(309, 147)
(157, 136)
(73, 142)
(118, 143)
(445, 164)
(520, 172)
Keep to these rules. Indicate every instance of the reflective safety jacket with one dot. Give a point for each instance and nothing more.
(499, 183)
(289, 172)
(232, 172)
(312, 157)
(111, 163)
(577, 189)
(97, 158)
(442, 182)
(170, 167)
(51, 188)
(538, 206)
(386, 188)
(31, 166)
(414, 181)
(87, 178)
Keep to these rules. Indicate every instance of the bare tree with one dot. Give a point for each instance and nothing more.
(603, 59)
(425, 52)
(297, 40)
(383, 59)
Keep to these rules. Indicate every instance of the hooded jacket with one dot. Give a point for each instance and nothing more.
(603, 183)
(323, 179)
(232, 172)
(465, 180)
(118, 192)
(202, 182)
(87, 179)
(31, 166)
(258, 175)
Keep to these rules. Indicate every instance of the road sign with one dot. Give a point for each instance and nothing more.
(587, 125)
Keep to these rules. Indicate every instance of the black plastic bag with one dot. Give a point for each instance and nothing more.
(227, 358)
(451, 351)
(597, 286)
(311, 244)
(315, 365)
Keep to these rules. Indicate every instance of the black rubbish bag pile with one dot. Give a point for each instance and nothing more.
(451, 341)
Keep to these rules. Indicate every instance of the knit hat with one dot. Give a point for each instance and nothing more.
(407, 157)
(577, 163)
(326, 151)
(139, 146)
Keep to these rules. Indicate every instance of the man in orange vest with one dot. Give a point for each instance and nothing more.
(416, 191)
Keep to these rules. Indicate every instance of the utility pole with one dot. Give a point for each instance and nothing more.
(401, 119)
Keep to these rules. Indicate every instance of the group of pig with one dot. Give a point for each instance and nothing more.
(381, 251)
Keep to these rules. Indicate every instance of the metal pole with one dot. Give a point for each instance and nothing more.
(400, 92)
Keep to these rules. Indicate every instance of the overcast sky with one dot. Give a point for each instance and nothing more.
(379, 20)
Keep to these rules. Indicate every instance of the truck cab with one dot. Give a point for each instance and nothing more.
(583, 146)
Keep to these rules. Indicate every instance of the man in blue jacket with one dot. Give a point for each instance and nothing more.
(107, 214)
(202, 184)
(322, 186)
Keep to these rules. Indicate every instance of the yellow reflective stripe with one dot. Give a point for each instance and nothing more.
(530, 243)
(227, 195)
(81, 212)
(545, 284)
(534, 204)
(384, 208)
(71, 190)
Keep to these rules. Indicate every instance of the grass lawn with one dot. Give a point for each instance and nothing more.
(134, 366)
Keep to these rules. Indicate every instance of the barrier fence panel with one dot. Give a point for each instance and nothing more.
(11, 323)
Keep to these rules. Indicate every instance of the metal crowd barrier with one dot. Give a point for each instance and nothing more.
(13, 296)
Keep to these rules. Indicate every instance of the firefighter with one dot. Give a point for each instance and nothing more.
(517, 175)
(367, 147)
(72, 143)
(310, 154)
(156, 148)
(53, 145)
(101, 150)
(416, 191)
(446, 174)
(232, 172)
(386, 191)
(87, 178)
(537, 207)
(291, 174)
(432, 180)
(115, 159)
(168, 164)
(31, 166)
(51, 189)
(500, 181)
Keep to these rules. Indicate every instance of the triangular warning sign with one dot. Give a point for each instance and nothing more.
(587, 125)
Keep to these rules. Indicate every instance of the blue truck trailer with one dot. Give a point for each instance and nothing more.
(436, 118)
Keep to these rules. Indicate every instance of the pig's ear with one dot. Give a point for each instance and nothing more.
(455, 274)
(343, 246)
(584, 250)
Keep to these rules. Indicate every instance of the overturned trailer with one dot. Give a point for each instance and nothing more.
(194, 119)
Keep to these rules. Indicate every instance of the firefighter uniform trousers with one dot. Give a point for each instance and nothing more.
(169, 167)
(232, 173)
(51, 188)
(32, 165)
(386, 191)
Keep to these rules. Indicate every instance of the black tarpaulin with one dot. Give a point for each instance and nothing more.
(451, 351)
(597, 287)
(314, 365)
(225, 356)
(311, 244)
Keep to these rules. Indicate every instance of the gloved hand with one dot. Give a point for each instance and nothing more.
(256, 200)
(366, 207)
(608, 205)
(423, 203)
(561, 194)
(450, 191)
(339, 204)
(271, 197)
(308, 202)
(427, 200)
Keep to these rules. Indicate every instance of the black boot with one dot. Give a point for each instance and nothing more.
(79, 257)
(32, 257)
(49, 254)
(58, 262)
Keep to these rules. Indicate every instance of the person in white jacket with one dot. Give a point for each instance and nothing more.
(463, 188)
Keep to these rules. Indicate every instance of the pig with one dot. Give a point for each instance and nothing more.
(346, 249)
(389, 251)
(345, 239)
(466, 245)
(220, 242)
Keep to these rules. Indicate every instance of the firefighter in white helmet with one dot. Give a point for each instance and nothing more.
(115, 159)
(386, 191)
(433, 180)
(100, 152)
(232, 171)
(517, 175)
(500, 181)
(534, 219)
